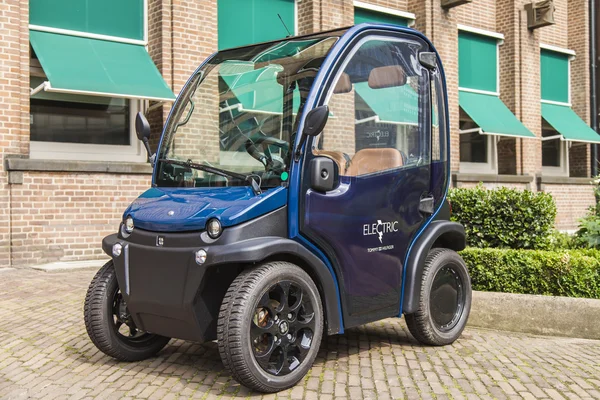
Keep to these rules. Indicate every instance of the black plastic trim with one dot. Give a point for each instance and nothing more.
(445, 234)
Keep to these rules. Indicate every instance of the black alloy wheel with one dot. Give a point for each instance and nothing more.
(282, 328)
(270, 326)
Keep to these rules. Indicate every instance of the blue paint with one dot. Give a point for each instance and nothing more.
(316, 98)
(347, 219)
(192, 207)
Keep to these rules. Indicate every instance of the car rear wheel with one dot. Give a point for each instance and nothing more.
(270, 326)
(109, 324)
(445, 299)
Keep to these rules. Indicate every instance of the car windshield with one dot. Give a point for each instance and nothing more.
(235, 120)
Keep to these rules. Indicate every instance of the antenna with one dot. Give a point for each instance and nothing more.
(283, 23)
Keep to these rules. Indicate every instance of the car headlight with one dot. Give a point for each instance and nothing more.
(129, 225)
(214, 228)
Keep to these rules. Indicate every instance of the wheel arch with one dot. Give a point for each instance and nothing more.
(444, 234)
(260, 250)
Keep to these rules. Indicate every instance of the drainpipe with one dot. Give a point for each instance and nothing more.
(593, 84)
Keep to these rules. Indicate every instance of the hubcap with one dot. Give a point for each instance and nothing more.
(446, 301)
(282, 328)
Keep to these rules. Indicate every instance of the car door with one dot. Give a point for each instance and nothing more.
(378, 137)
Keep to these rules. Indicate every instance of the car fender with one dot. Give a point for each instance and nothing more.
(446, 234)
(272, 248)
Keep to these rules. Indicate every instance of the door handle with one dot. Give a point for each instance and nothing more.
(426, 204)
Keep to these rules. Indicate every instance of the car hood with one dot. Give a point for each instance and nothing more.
(188, 209)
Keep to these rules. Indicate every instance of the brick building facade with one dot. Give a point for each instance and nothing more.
(54, 208)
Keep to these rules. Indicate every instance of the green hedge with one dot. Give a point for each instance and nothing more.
(504, 217)
(571, 273)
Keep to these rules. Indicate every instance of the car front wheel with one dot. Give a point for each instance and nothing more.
(270, 326)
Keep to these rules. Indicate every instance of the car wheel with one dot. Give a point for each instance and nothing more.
(109, 324)
(445, 299)
(270, 326)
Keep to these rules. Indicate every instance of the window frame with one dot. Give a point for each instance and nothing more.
(94, 152)
(491, 165)
(488, 167)
(563, 169)
(339, 70)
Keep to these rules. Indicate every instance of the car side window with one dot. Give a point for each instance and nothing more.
(377, 109)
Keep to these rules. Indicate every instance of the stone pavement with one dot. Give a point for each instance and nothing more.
(45, 353)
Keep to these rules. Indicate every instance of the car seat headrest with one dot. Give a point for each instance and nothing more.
(388, 76)
(343, 84)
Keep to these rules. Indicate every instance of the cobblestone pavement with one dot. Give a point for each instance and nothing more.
(45, 353)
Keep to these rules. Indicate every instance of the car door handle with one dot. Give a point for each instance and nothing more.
(426, 204)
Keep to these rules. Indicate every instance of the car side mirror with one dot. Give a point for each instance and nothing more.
(142, 129)
(315, 122)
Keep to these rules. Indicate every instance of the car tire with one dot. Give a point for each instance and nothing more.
(270, 326)
(444, 301)
(112, 336)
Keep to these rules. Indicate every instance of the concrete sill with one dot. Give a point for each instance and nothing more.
(14, 164)
(491, 178)
(562, 180)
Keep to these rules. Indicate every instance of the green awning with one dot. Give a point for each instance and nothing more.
(80, 65)
(568, 124)
(256, 90)
(491, 115)
(383, 103)
(365, 15)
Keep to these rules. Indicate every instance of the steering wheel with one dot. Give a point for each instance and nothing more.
(258, 147)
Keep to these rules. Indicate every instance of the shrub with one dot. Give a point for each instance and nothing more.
(563, 241)
(589, 226)
(572, 273)
(504, 217)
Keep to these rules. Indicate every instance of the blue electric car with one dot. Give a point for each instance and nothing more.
(299, 189)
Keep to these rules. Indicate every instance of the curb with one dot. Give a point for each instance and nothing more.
(70, 265)
(540, 315)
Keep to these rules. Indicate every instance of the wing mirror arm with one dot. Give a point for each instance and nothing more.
(314, 124)
(142, 129)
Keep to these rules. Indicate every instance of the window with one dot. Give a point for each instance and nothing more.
(555, 154)
(69, 126)
(561, 126)
(477, 151)
(378, 112)
(246, 22)
(484, 118)
(90, 74)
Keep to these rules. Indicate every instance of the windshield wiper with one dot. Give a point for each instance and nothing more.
(217, 171)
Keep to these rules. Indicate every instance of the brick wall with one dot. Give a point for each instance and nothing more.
(64, 216)
(14, 104)
(572, 202)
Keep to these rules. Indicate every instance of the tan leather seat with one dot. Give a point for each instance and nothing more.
(367, 161)
(336, 156)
